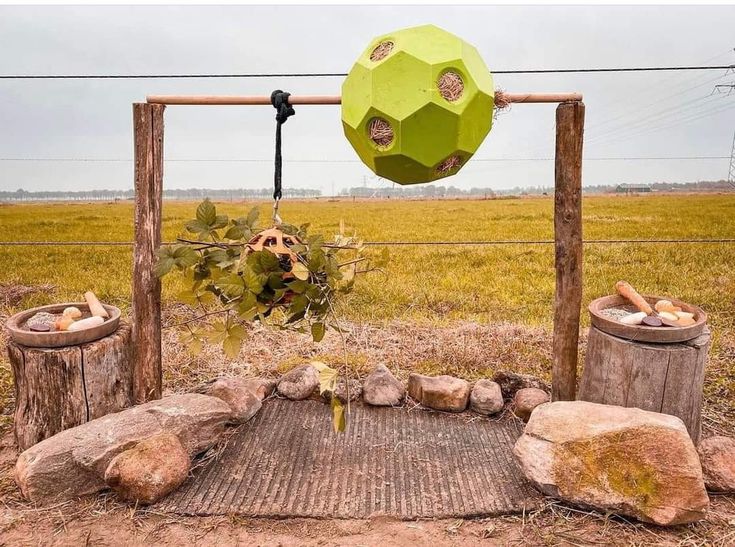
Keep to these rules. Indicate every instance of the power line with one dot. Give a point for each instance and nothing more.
(686, 110)
(686, 120)
(339, 74)
(270, 160)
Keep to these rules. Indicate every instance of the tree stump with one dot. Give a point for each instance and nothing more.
(666, 378)
(60, 388)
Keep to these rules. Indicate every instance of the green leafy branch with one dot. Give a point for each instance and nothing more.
(233, 285)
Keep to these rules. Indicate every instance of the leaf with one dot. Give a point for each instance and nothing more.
(247, 307)
(300, 271)
(218, 332)
(195, 346)
(232, 285)
(327, 376)
(192, 342)
(185, 256)
(263, 262)
(317, 331)
(163, 266)
(298, 286)
(197, 227)
(231, 346)
(220, 221)
(338, 416)
(187, 297)
(252, 281)
(235, 232)
(207, 213)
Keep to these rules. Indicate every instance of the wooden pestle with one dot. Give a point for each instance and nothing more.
(627, 291)
(95, 308)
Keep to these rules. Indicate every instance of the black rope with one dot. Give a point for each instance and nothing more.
(279, 100)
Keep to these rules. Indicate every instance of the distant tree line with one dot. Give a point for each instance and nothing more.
(432, 191)
(394, 191)
(190, 193)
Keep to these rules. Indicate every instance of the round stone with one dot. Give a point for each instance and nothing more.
(651, 321)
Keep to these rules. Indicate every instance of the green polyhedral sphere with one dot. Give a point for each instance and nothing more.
(417, 104)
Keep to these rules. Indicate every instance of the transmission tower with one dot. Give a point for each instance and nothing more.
(731, 171)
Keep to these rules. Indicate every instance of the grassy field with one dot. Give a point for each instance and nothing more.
(426, 285)
(491, 283)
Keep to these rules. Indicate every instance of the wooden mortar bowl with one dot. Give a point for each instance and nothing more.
(643, 333)
(16, 326)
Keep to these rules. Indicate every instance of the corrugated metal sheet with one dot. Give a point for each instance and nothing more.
(287, 462)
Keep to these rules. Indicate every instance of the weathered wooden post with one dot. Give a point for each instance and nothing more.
(568, 247)
(146, 300)
(60, 388)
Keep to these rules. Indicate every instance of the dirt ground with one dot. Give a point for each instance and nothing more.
(466, 349)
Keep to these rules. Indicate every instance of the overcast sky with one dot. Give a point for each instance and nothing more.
(628, 115)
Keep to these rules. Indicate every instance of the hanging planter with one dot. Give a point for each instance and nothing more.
(417, 104)
(237, 273)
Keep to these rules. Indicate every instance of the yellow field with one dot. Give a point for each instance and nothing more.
(426, 285)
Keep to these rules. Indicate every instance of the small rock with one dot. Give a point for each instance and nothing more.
(439, 392)
(486, 397)
(510, 382)
(40, 320)
(262, 387)
(150, 470)
(526, 400)
(717, 455)
(239, 394)
(299, 383)
(73, 463)
(381, 388)
(355, 391)
(620, 460)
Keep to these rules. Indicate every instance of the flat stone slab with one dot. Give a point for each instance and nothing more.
(408, 464)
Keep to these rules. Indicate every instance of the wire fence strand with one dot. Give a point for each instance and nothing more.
(393, 243)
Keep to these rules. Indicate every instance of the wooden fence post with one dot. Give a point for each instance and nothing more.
(146, 300)
(568, 248)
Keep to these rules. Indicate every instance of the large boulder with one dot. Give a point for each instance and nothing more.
(486, 398)
(299, 383)
(150, 470)
(526, 400)
(240, 394)
(511, 382)
(622, 460)
(73, 463)
(381, 388)
(445, 393)
(717, 455)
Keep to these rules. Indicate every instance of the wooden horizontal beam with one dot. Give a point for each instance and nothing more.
(202, 100)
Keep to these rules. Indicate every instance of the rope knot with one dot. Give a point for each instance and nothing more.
(279, 100)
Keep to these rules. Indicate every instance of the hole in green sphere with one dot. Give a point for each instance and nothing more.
(380, 132)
